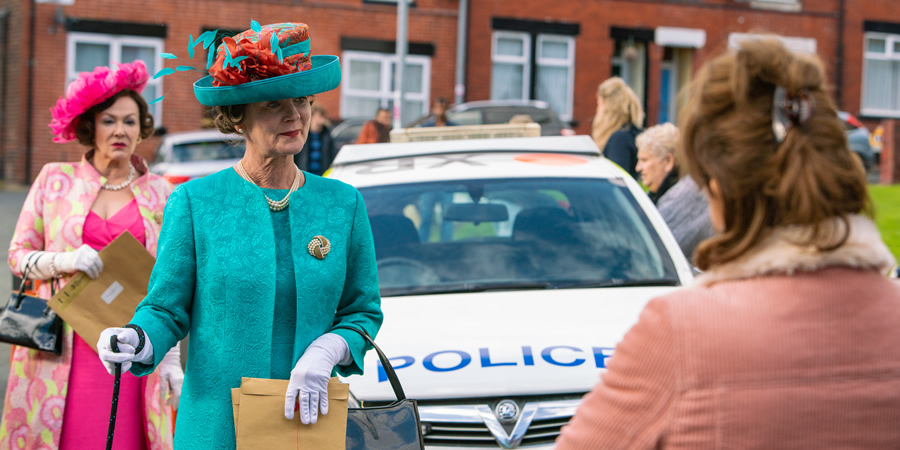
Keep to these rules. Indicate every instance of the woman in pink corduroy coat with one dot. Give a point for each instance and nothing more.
(791, 336)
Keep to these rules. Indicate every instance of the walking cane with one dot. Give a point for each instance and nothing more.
(114, 346)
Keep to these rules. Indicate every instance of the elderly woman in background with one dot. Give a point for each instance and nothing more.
(618, 120)
(682, 205)
(72, 211)
(260, 262)
(789, 338)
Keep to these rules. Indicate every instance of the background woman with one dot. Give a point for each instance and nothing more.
(72, 211)
(261, 261)
(618, 120)
(318, 151)
(682, 205)
(789, 340)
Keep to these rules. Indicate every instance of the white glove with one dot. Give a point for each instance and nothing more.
(309, 379)
(172, 374)
(47, 265)
(127, 341)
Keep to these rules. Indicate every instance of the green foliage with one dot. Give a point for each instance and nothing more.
(887, 214)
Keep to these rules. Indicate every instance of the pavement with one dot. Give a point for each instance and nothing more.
(11, 200)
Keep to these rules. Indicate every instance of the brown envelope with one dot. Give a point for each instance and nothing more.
(260, 422)
(91, 306)
(235, 405)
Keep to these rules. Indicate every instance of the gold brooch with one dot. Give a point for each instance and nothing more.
(319, 247)
(158, 217)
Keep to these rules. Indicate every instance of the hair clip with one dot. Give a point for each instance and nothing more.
(790, 110)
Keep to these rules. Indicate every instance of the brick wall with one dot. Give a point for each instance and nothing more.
(595, 48)
(431, 21)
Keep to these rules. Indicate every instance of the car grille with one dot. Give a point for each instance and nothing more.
(465, 425)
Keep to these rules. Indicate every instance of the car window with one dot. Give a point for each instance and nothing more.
(207, 151)
(507, 233)
(502, 115)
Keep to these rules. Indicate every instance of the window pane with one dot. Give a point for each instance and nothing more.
(510, 47)
(365, 75)
(876, 45)
(361, 107)
(507, 81)
(88, 56)
(878, 88)
(412, 110)
(555, 50)
(896, 48)
(412, 78)
(553, 87)
(150, 94)
(145, 54)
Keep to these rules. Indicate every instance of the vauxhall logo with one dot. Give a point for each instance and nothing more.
(507, 412)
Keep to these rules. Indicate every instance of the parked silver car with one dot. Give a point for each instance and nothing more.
(858, 138)
(193, 154)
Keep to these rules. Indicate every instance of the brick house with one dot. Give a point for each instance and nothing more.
(70, 36)
(558, 51)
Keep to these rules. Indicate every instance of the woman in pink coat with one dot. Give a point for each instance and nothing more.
(72, 211)
(790, 337)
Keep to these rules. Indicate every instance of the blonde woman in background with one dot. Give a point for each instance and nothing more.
(617, 122)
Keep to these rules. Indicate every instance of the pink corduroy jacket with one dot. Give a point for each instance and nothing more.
(787, 347)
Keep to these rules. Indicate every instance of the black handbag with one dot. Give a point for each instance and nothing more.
(391, 427)
(29, 322)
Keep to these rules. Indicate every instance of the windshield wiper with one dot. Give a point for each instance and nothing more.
(468, 287)
(619, 283)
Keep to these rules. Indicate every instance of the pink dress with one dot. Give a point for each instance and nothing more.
(89, 395)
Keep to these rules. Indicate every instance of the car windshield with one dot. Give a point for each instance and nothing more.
(503, 234)
(207, 151)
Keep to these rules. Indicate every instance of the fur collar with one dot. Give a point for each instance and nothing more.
(779, 254)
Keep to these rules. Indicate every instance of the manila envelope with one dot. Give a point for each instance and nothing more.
(91, 306)
(260, 422)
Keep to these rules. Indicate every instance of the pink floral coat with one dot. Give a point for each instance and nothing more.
(52, 219)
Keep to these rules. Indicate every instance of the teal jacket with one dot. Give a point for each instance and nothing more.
(215, 278)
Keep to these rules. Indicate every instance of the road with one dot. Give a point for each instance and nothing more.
(10, 206)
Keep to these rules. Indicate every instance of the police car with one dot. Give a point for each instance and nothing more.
(509, 269)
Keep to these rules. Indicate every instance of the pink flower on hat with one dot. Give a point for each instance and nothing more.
(93, 88)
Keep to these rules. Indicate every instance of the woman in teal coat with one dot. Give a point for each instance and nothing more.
(259, 262)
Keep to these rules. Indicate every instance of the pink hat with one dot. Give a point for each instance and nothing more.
(93, 88)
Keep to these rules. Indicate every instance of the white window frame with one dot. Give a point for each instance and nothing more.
(888, 55)
(524, 60)
(384, 93)
(116, 42)
(569, 63)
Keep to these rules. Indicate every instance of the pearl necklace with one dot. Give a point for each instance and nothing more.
(116, 187)
(273, 205)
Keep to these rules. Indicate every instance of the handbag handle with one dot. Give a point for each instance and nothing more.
(388, 368)
(28, 266)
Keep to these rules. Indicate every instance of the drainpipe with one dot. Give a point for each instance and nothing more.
(4, 75)
(29, 107)
(461, 30)
(839, 60)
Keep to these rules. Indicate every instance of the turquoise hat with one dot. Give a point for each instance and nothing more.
(264, 63)
(324, 75)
